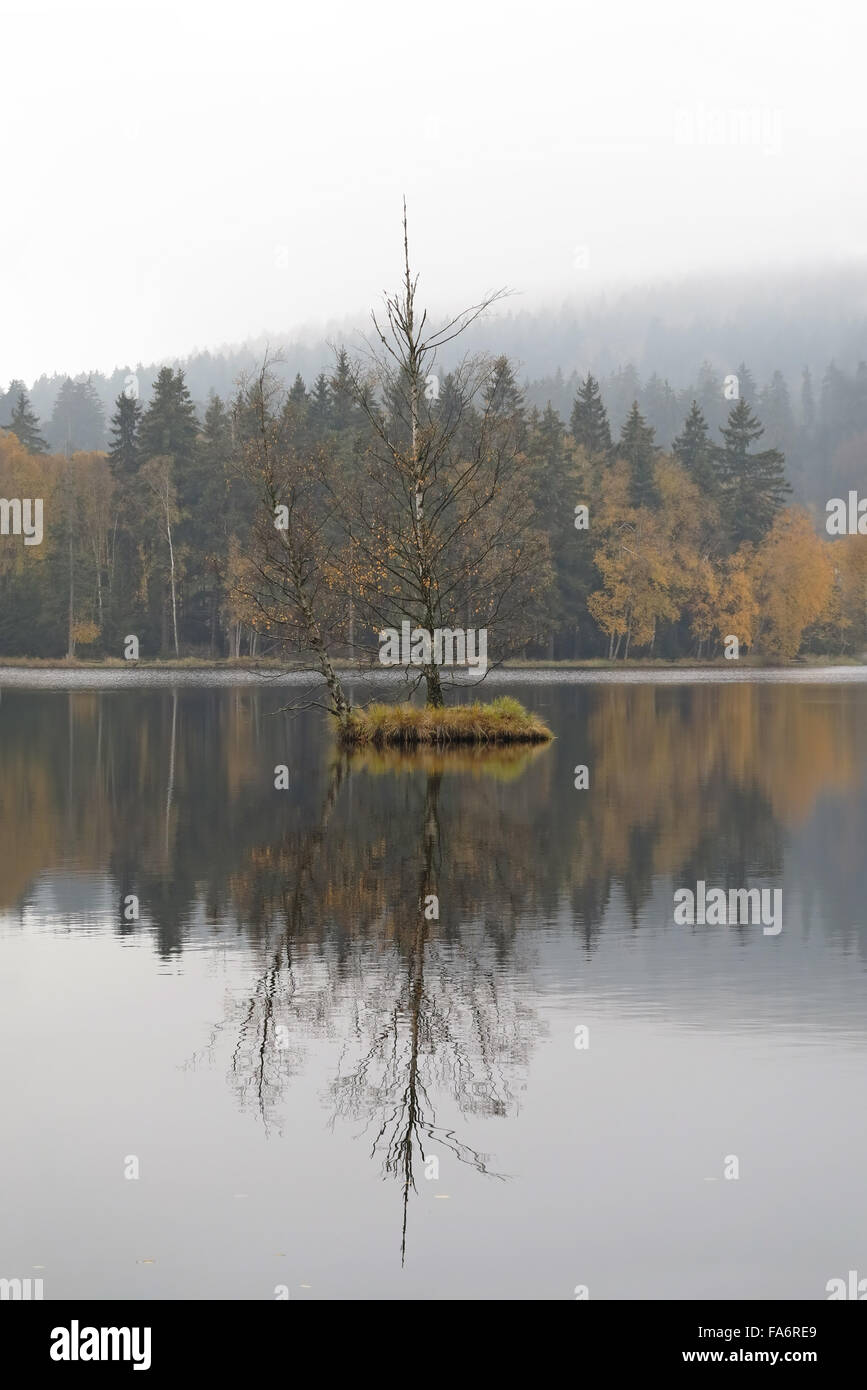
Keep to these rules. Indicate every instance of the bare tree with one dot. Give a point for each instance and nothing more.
(443, 528)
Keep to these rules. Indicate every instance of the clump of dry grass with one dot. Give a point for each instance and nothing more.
(503, 721)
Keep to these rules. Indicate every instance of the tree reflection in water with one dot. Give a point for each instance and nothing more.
(425, 1014)
(163, 794)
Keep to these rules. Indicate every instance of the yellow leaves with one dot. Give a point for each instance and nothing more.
(613, 507)
(849, 557)
(84, 632)
(794, 578)
(32, 476)
(737, 605)
(703, 596)
(641, 571)
(657, 565)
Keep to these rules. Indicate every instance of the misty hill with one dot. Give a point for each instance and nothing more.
(662, 345)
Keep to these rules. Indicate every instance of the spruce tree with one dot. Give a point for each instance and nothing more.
(168, 426)
(503, 399)
(25, 426)
(589, 420)
(502, 395)
(747, 390)
(449, 408)
(621, 389)
(556, 486)
(125, 611)
(320, 404)
(8, 399)
(660, 407)
(123, 451)
(777, 414)
(243, 424)
(636, 446)
(549, 432)
(77, 420)
(754, 485)
(168, 432)
(344, 411)
(694, 452)
(212, 457)
(708, 392)
(298, 393)
(205, 521)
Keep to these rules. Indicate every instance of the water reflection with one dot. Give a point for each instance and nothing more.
(434, 1017)
(330, 888)
(171, 794)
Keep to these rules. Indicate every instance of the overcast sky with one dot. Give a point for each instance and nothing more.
(189, 174)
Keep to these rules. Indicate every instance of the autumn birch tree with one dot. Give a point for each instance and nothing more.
(444, 532)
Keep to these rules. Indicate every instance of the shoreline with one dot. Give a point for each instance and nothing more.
(357, 670)
(362, 684)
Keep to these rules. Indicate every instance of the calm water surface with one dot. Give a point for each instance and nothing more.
(325, 1089)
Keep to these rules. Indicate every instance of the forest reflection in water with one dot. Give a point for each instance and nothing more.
(390, 901)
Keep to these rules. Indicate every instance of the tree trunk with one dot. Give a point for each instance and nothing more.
(99, 590)
(340, 707)
(70, 641)
(70, 644)
(431, 672)
(434, 685)
(111, 560)
(172, 569)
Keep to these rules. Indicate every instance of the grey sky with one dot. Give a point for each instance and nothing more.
(184, 175)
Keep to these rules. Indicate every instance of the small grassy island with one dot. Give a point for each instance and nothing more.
(502, 721)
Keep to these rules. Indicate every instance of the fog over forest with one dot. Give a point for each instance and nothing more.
(662, 345)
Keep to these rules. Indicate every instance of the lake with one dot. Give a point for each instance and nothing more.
(424, 1026)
